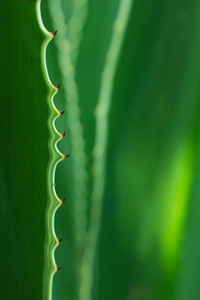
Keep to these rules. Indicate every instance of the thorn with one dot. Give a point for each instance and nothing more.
(62, 112)
(60, 240)
(62, 134)
(65, 156)
(58, 268)
(54, 33)
(63, 200)
(57, 87)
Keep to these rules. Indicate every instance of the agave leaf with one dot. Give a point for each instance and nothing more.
(23, 153)
(148, 246)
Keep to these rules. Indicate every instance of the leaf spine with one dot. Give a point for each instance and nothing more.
(54, 33)
(59, 240)
(62, 200)
(57, 268)
(61, 112)
(54, 202)
(62, 134)
(66, 156)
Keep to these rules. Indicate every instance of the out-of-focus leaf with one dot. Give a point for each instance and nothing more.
(153, 156)
(148, 246)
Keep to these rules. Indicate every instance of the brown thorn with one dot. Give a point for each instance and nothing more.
(65, 156)
(62, 112)
(60, 240)
(58, 268)
(54, 33)
(63, 200)
(63, 135)
(57, 87)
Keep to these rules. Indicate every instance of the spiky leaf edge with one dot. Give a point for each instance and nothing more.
(54, 202)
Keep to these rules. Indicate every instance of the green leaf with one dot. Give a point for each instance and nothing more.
(145, 241)
(24, 153)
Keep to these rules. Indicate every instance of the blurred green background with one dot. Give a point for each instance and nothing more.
(149, 239)
(146, 241)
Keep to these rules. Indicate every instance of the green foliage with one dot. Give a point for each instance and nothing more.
(150, 163)
(130, 92)
(24, 153)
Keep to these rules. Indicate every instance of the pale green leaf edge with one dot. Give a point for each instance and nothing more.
(54, 202)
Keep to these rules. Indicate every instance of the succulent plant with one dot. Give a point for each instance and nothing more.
(119, 85)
